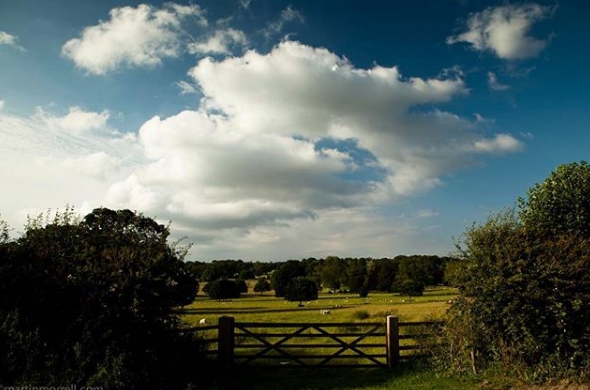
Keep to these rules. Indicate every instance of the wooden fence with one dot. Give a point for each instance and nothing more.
(358, 344)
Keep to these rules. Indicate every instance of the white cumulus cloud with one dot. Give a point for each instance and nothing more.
(501, 143)
(294, 145)
(220, 42)
(300, 91)
(140, 36)
(504, 31)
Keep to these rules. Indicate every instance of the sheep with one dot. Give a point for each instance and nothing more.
(203, 321)
(325, 312)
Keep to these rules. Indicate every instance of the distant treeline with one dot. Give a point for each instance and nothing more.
(335, 273)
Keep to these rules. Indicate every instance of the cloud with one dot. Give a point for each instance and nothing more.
(220, 42)
(288, 15)
(426, 213)
(245, 4)
(76, 120)
(300, 91)
(2, 104)
(494, 84)
(141, 36)
(50, 164)
(504, 31)
(483, 120)
(294, 145)
(501, 143)
(278, 142)
(186, 88)
(9, 40)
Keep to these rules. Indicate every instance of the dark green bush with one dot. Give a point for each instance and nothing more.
(525, 302)
(91, 302)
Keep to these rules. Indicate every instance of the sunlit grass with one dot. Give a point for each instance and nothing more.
(267, 308)
(344, 308)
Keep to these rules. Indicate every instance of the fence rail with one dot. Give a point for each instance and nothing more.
(358, 344)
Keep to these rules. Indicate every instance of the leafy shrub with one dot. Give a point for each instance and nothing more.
(525, 284)
(90, 302)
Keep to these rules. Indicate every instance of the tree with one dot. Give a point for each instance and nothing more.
(242, 286)
(410, 287)
(262, 286)
(91, 301)
(387, 275)
(333, 272)
(223, 289)
(301, 289)
(357, 275)
(412, 276)
(283, 276)
(246, 274)
(525, 287)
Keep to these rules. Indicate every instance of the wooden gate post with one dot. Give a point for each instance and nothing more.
(392, 341)
(226, 340)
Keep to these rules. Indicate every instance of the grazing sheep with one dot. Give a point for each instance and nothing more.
(326, 312)
(203, 321)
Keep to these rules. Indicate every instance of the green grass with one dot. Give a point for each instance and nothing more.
(344, 308)
(267, 308)
(402, 378)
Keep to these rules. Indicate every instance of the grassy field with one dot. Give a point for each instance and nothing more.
(343, 307)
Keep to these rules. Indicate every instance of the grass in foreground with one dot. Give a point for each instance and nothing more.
(404, 377)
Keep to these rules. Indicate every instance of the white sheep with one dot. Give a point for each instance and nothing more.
(203, 321)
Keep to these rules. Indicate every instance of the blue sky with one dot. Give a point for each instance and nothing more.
(269, 130)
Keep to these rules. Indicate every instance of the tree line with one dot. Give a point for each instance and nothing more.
(405, 274)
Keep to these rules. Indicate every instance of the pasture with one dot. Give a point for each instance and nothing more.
(344, 307)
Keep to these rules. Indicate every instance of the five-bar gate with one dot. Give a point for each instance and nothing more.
(357, 344)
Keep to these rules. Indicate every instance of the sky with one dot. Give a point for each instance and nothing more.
(273, 130)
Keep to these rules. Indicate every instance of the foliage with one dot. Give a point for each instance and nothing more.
(561, 203)
(333, 272)
(525, 283)
(282, 277)
(91, 302)
(262, 286)
(357, 275)
(410, 287)
(223, 289)
(242, 286)
(247, 274)
(301, 289)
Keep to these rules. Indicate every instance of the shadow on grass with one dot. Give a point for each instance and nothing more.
(259, 378)
(405, 376)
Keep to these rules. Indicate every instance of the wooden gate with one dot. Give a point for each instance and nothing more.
(358, 344)
(310, 344)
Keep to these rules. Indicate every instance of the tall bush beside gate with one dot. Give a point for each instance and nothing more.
(525, 284)
(89, 302)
